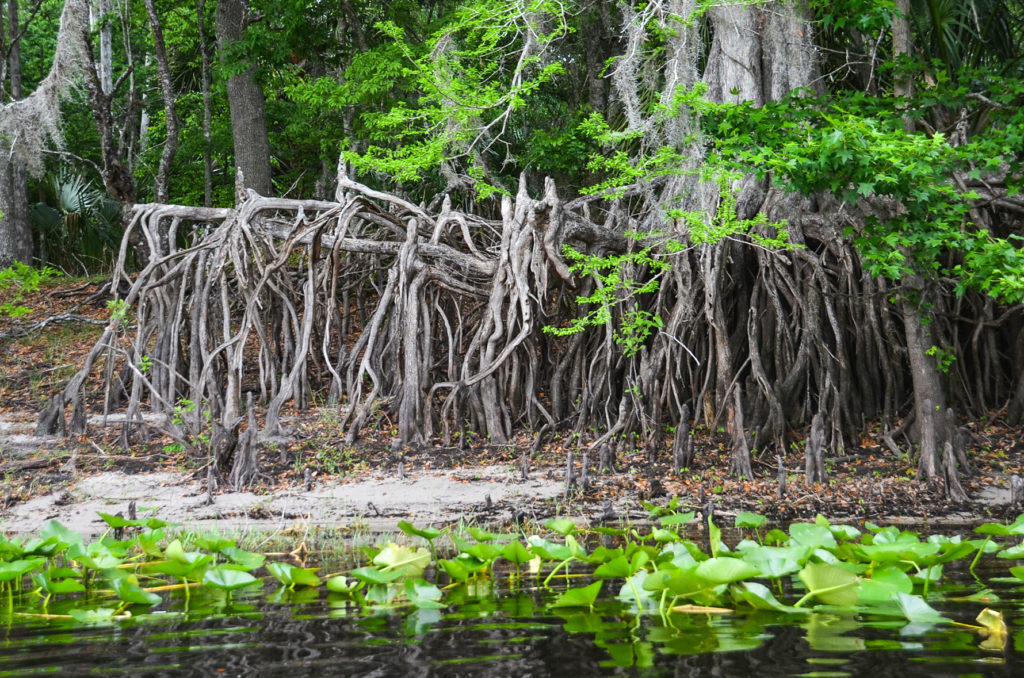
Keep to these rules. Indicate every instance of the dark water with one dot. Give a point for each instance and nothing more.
(315, 633)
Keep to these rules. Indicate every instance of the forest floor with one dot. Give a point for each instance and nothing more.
(312, 478)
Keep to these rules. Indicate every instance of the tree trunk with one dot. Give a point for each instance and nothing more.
(204, 65)
(757, 54)
(117, 178)
(99, 12)
(163, 174)
(929, 394)
(15, 226)
(901, 46)
(245, 101)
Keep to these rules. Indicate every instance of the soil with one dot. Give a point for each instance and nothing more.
(312, 478)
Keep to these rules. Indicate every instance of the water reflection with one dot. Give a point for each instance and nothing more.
(311, 633)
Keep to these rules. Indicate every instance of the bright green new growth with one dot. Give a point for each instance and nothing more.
(24, 279)
(615, 287)
(470, 78)
(856, 148)
(621, 279)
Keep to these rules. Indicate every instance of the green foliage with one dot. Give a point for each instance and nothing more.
(867, 16)
(615, 285)
(621, 279)
(21, 279)
(856, 148)
(884, 571)
(449, 98)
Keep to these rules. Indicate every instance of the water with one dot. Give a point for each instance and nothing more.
(269, 632)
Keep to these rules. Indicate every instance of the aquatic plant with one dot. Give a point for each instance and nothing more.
(881, 571)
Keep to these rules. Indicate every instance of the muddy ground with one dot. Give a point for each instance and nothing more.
(311, 478)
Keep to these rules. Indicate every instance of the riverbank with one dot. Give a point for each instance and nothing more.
(313, 478)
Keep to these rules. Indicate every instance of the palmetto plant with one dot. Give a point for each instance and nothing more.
(970, 34)
(76, 226)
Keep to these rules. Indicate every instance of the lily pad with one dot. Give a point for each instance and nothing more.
(228, 579)
(428, 533)
(403, 559)
(579, 597)
(750, 520)
(830, 584)
(292, 576)
(562, 526)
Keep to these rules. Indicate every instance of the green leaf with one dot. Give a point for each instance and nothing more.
(562, 526)
(213, 543)
(917, 611)
(999, 529)
(423, 594)
(403, 559)
(830, 584)
(342, 584)
(515, 552)
(128, 590)
(664, 536)
(49, 547)
(428, 533)
(372, 575)
(149, 542)
(175, 551)
(100, 615)
(17, 569)
(292, 576)
(484, 551)
(616, 568)
(63, 534)
(677, 519)
(228, 579)
(725, 570)
(982, 596)
(907, 552)
(815, 536)
(844, 532)
(96, 556)
(884, 584)
(774, 561)
(119, 521)
(548, 550)
(750, 520)
(246, 559)
(1013, 552)
(484, 535)
(760, 597)
(54, 586)
(579, 597)
(633, 591)
(714, 538)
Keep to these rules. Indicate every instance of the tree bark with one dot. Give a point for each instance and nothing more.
(204, 65)
(15, 226)
(246, 103)
(99, 12)
(117, 178)
(929, 395)
(163, 174)
(901, 46)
